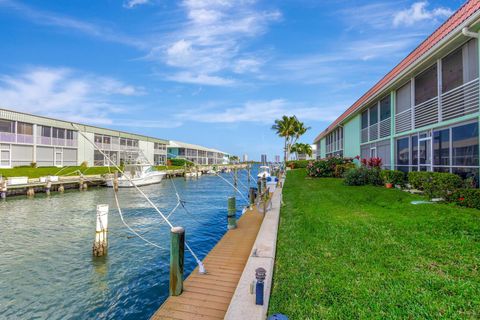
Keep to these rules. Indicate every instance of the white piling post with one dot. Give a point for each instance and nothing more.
(48, 186)
(100, 246)
(3, 188)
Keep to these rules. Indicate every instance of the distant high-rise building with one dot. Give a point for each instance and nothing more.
(264, 158)
(245, 157)
(277, 158)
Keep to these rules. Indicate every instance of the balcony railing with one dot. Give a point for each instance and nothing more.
(460, 101)
(8, 137)
(452, 104)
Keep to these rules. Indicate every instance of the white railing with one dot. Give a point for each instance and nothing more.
(460, 101)
(385, 128)
(7, 137)
(403, 121)
(44, 140)
(58, 141)
(25, 138)
(70, 143)
(426, 113)
(364, 135)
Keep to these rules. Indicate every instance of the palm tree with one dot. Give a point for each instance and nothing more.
(290, 129)
(301, 148)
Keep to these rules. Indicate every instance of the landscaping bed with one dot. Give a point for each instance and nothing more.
(353, 252)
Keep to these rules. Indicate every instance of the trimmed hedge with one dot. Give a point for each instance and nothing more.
(362, 176)
(180, 162)
(469, 198)
(435, 184)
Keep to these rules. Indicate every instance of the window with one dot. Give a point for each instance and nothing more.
(452, 70)
(441, 147)
(365, 119)
(25, 128)
(426, 85)
(70, 134)
(414, 150)
(402, 152)
(7, 126)
(385, 108)
(123, 142)
(470, 71)
(46, 132)
(403, 98)
(465, 145)
(106, 139)
(373, 115)
(98, 139)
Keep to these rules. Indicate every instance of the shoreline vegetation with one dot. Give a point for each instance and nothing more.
(368, 252)
(36, 172)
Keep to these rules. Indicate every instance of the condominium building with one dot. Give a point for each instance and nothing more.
(196, 154)
(424, 114)
(27, 139)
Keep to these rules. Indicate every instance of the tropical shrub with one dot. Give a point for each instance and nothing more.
(341, 169)
(394, 177)
(469, 198)
(84, 165)
(356, 177)
(435, 184)
(374, 176)
(326, 167)
(297, 164)
(180, 162)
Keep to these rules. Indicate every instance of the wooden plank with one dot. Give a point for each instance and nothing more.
(208, 296)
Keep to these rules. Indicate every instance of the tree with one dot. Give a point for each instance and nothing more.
(301, 148)
(289, 128)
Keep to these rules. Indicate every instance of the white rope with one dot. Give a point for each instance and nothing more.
(245, 198)
(129, 228)
(200, 264)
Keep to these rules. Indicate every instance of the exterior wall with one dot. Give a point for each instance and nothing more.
(351, 137)
(322, 148)
(147, 149)
(85, 148)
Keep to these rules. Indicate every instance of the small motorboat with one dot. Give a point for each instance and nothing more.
(263, 172)
(139, 174)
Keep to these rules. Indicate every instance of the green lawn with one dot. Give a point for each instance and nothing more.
(45, 171)
(366, 252)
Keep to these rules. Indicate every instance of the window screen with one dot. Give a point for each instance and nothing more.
(452, 71)
(470, 71)
(441, 147)
(465, 145)
(373, 114)
(403, 98)
(7, 126)
(426, 85)
(385, 108)
(25, 128)
(365, 119)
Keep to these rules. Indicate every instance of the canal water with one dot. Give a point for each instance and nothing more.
(46, 266)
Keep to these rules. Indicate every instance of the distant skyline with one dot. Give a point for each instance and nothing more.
(209, 72)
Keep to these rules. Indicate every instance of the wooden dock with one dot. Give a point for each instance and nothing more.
(208, 296)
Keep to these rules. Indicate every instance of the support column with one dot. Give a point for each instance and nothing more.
(232, 209)
(100, 245)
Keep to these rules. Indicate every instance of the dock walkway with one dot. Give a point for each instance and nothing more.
(208, 296)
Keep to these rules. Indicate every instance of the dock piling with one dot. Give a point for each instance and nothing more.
(115, 181)
(251, 196)
(61, 188)
(231, 219)
(3, 188)
(48, 186)
(31, 192)
(235, 177)
(177, 252)
(248, 173)
(100, 245)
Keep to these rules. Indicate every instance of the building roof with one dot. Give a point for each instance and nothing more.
(47, 121)
(179, 144)
(447, 28)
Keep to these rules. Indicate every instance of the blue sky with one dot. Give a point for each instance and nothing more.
(212, 72)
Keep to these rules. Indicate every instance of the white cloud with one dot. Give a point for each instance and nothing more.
(205, 79)
(64, 93)
(262, 112)
(418, 12)
(212, 39)
(133, 3)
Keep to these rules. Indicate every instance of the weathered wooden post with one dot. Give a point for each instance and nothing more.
(80, 184)
(100, 245)
(3, 188)
(251, 196)
(235, 177)
(177, 252)
(115, 181)
(259, 186)
(248, 173)
(231, 212)
(48, 186)
(31, 192)
(61, 188)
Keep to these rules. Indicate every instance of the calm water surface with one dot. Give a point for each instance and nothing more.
(46, 266)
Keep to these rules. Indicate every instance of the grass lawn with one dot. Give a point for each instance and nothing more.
(45, 171)
(366, 252)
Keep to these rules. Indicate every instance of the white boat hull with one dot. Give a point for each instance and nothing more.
(151, 178)
(193, 174)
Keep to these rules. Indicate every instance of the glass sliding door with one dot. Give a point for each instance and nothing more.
(425, 154)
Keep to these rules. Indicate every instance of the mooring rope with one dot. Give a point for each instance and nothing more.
(201, 267)
(245, 198)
